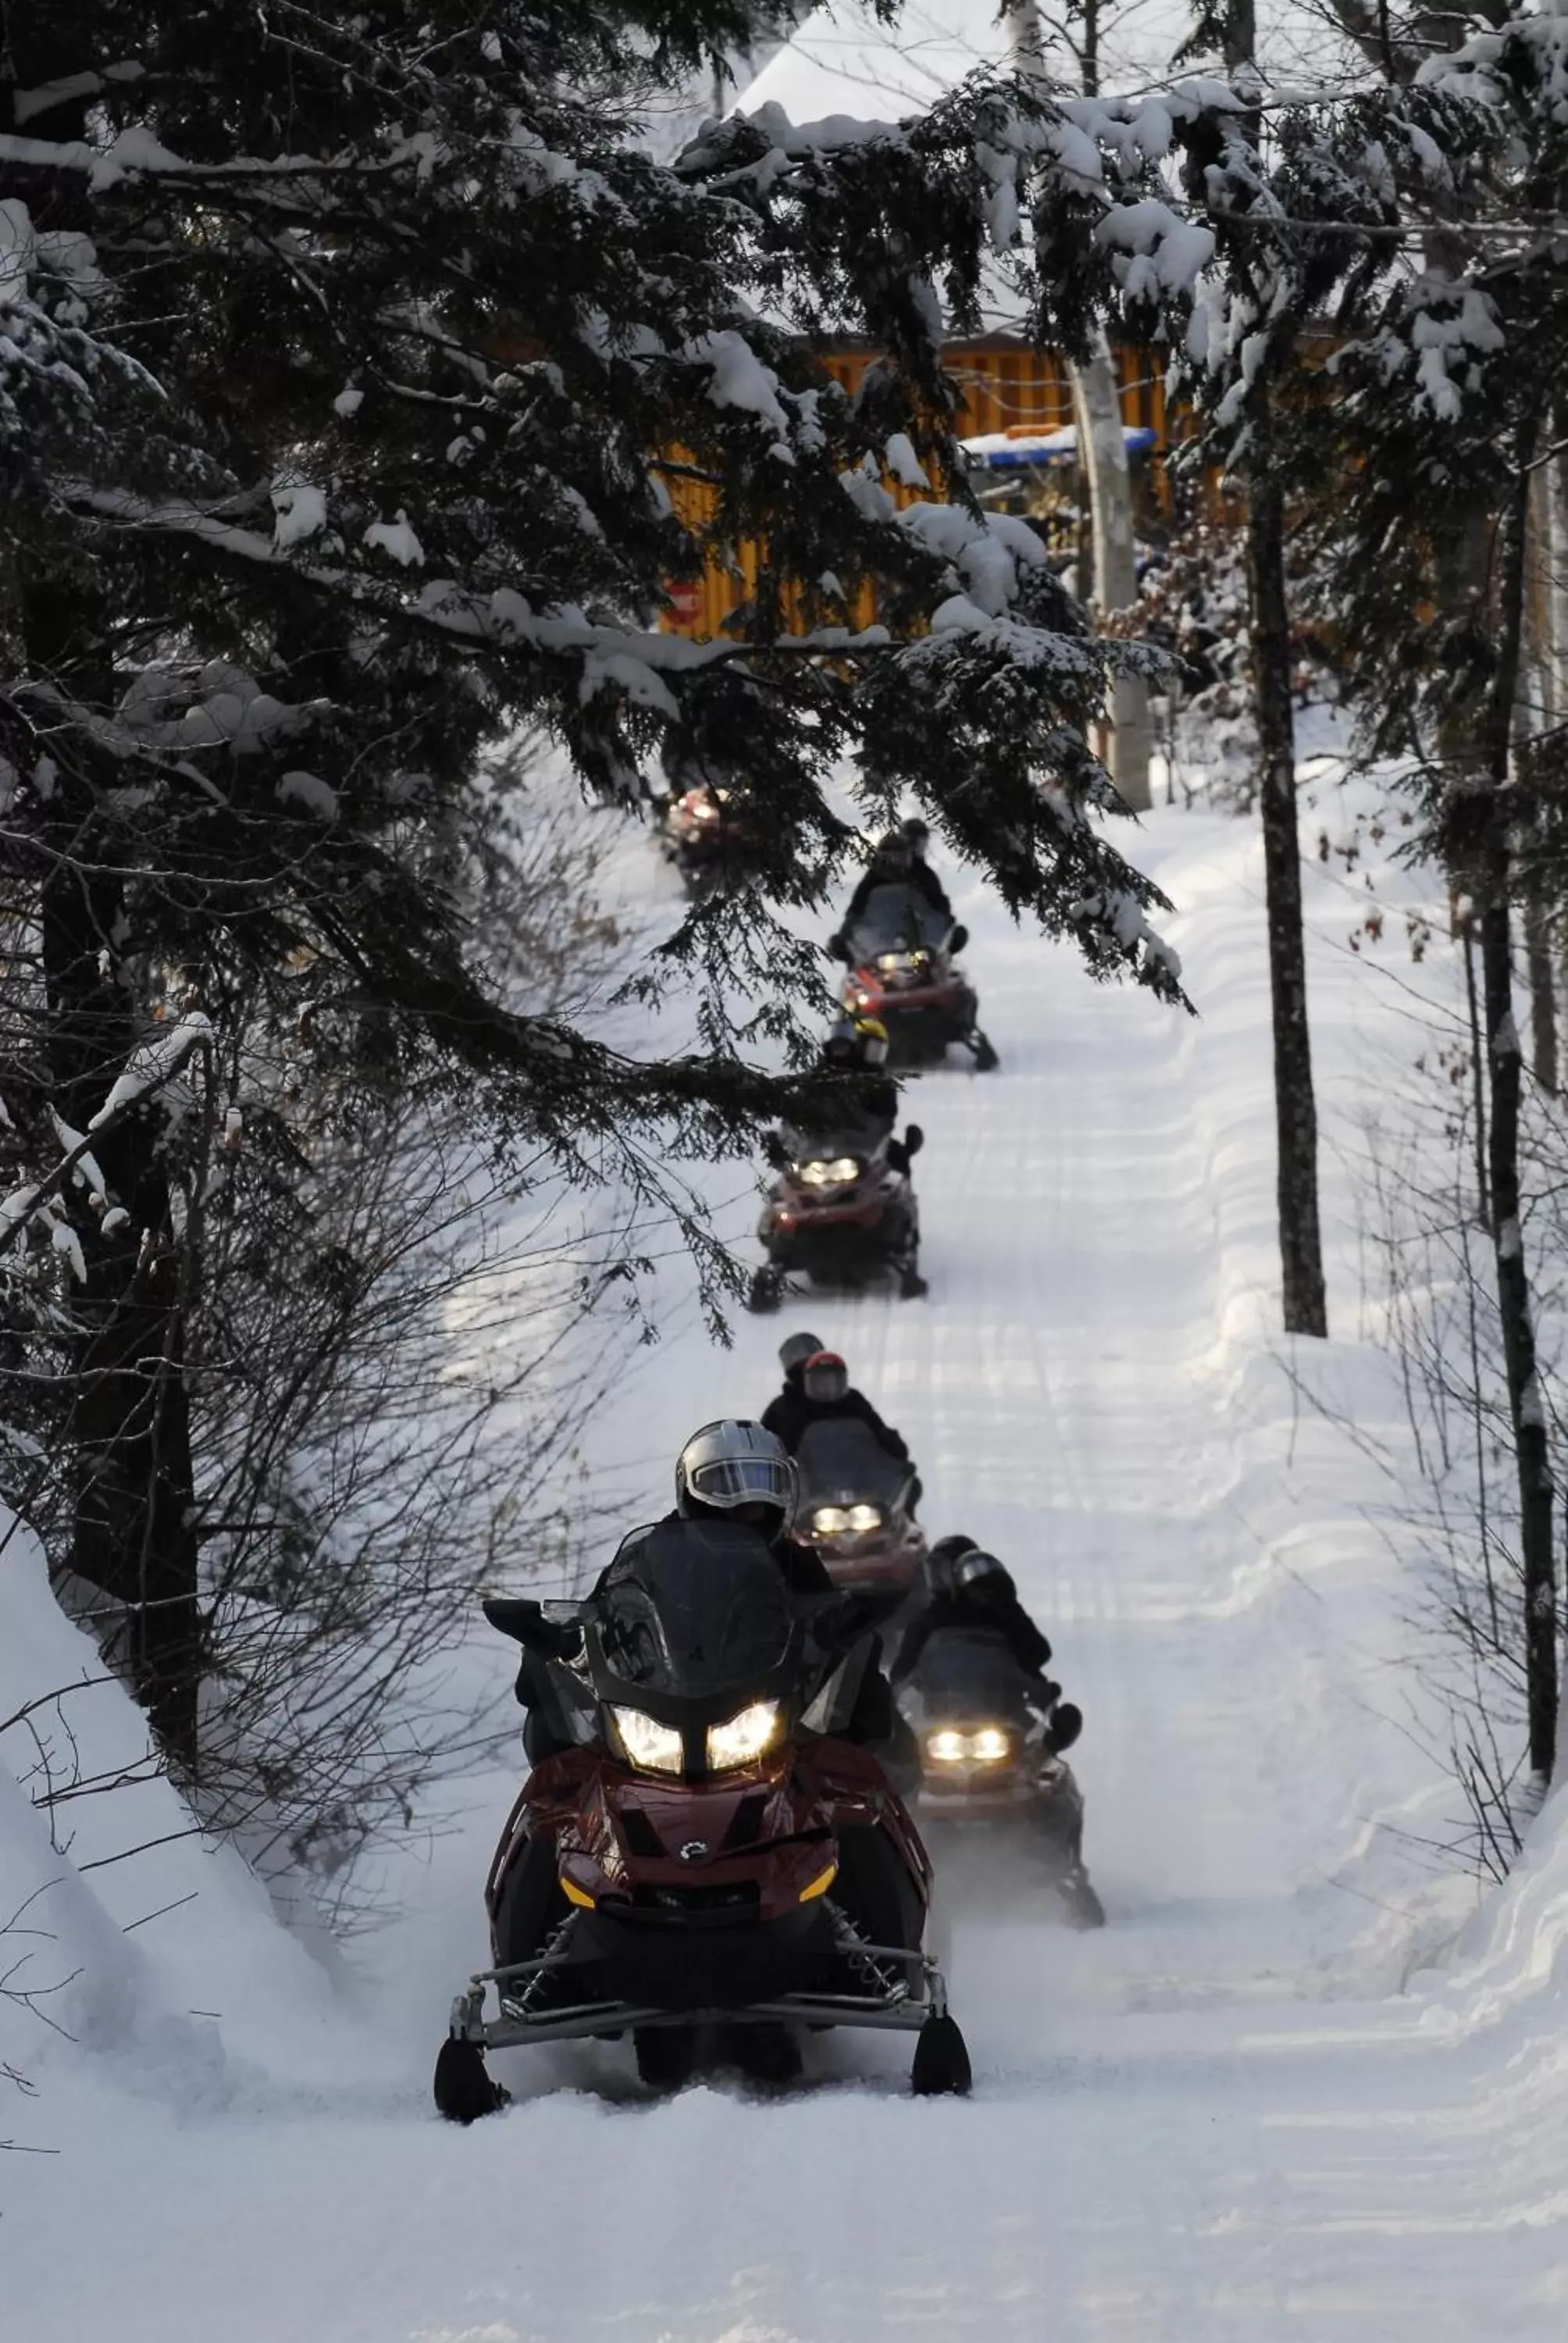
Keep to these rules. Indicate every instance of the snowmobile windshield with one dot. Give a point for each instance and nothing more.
(691, 1609)
(841, 1464)
(849, 1144)
(968, 1672)
(898, 919)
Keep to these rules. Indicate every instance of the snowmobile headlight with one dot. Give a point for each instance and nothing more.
(830, 1521)
(948, 1747)
(823, 1173)
(862, 1518)
(990, 1745)
(744, 1736)
(656, 1749)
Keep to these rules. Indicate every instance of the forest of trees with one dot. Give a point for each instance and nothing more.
(352, 370)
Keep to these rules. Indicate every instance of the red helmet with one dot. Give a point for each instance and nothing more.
(825, 1376)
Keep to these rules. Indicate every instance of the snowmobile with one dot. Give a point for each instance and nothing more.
(856, 1508)
(700, 827)
(991, 1756)
(706, 1856)
(901, 953)
(839, 1214)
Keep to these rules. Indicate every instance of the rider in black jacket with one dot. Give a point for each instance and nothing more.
(817, 1390)
(895, 862)
(979, 1593)
(734, 1477)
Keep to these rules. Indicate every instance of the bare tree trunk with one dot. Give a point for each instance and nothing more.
(1295, 1110)
(1526, 1405)
(1536, 699)
(1556, 646)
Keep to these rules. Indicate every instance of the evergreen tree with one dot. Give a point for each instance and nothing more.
(365, 382)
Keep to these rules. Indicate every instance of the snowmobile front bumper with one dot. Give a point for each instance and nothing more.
(894, 2006)
(919, 1036)
(835, 1252)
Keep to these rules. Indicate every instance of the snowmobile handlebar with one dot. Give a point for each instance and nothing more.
(524, 1620)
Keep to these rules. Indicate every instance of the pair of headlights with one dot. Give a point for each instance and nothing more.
(987, 1746)
(846, 1521)
(657, 1748)
(823, 1173)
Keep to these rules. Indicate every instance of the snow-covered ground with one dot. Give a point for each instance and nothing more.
(1246, 2110)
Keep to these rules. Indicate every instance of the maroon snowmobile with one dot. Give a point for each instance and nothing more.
(705, 1861)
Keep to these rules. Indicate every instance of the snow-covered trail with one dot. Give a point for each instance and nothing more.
(1219, 2118)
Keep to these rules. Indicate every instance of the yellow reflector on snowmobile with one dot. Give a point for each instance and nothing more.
(576, 1894)
(820, 1885)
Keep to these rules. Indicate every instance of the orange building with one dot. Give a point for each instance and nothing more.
(1006, 385)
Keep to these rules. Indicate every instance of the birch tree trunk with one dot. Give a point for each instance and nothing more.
(1102, 454)
(1102, 462)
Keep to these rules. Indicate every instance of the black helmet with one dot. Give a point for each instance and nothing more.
(795, 1351)
(981, 1574)
(917, 833)
(826, 1376)
(940, 1561)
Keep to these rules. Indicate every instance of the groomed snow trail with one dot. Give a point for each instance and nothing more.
(1218, 2119)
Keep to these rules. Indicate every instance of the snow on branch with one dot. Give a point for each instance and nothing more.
(152, 1067)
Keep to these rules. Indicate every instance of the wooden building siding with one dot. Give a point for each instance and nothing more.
(1004, 383)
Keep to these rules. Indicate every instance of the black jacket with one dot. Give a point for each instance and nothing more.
(920, 875)
(791, 1415)
(1009, 1620)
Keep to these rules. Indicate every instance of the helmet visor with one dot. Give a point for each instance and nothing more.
(744, 1481)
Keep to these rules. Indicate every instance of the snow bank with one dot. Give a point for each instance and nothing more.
(153, 1954)
(1510, 1969)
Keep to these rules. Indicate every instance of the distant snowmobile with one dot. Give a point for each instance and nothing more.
(855, 1509)
(992, 1755)
(701, 827)
(901, 949)
(841, 1214)
(708, 1856)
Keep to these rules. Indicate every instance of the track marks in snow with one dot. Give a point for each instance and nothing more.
(1187, 2126)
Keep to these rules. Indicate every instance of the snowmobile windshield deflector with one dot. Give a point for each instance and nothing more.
(686, 1622)
(971, 1672)
(842, 1460)
(898, 919)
